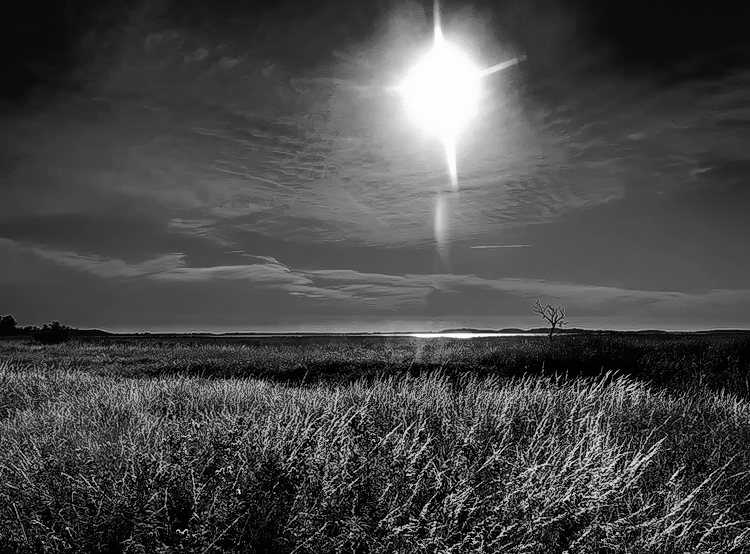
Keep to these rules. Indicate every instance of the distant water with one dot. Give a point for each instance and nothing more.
(455, 335)
(413, 335)
(471, 335)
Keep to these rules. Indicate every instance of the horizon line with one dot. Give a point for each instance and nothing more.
(448, 331)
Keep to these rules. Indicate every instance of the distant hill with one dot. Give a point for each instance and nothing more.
(508, 330)
(92, 333)
(470, 330)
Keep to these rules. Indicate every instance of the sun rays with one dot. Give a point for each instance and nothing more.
(442, 91)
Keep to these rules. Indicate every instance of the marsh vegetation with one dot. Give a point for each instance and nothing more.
(586, 444)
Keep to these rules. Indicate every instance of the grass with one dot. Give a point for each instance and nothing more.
(183, 447)
(716, 363)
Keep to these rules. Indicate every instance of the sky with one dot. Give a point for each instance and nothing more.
(241, 166)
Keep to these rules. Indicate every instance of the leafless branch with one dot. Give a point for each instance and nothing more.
(553, 315)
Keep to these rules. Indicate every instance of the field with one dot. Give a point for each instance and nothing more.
(588, 444)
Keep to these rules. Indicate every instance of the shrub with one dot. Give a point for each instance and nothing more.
(53, 333)
(8, 325)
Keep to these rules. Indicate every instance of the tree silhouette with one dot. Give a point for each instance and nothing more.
(554, 315)
(8, 325)
(52, 333)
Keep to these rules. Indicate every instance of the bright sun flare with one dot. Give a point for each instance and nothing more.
(441, 91)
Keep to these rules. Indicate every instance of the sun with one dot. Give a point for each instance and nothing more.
(441, 91)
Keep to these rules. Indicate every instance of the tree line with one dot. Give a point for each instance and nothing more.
(49, 333)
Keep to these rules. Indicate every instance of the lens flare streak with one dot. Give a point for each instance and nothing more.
(502, 65)
(442, 93)
(450, 155)
(441, 227)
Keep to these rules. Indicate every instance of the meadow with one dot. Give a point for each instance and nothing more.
(585, 444)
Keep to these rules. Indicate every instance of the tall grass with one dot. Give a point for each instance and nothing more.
(395, 464)
(672, 362)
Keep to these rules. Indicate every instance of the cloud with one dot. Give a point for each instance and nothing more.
(267, 273)
(170, 267)
(237, 209)
(389, 291)
(203, 228)
(516, 293)
(328, 146)
(434, 297)
(480, 246)
(230, 131)
(111, 268)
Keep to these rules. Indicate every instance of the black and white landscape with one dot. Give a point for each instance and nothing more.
(375, 276)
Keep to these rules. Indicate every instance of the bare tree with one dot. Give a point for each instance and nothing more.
(554, 315)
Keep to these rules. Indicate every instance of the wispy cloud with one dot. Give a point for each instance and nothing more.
(265, 273)
(502, 246)
(334, 148)
(203, 228)
(346, 283)
(111, 268)
(331, 146)
(440, 296)
(211, 138)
